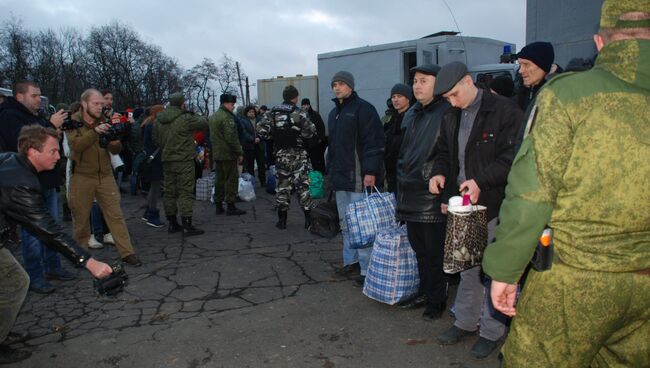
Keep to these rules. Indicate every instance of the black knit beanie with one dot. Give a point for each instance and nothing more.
(540, 53)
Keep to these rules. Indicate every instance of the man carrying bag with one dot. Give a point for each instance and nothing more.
(473, 156)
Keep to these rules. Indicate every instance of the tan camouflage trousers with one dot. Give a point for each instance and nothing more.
(569, 317)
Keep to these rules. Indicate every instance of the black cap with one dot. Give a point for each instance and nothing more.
(430, 69)
(448, 76)
(227, 97)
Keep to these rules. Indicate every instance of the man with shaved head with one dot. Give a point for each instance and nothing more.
(92, 177)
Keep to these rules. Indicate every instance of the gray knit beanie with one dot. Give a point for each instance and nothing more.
(345, 77)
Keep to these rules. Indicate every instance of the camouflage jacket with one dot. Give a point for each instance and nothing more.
(287, 125)
(173, 132)
(223, 135)
(584, 171)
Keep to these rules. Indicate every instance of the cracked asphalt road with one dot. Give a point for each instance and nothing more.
(244, 294)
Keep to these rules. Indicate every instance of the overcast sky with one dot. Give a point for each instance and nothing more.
(271, 38)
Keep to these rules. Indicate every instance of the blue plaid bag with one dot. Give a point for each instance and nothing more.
(365, 218)
(393, 271)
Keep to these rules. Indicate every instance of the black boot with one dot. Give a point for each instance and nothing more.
(188, 228)
(220, 209)
(173, 227)
(234, 211)
(282, 220)
(307, 219)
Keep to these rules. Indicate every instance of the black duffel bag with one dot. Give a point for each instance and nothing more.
(325, 218)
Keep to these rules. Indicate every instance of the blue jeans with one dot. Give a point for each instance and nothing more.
(351, 256)
(38, 258)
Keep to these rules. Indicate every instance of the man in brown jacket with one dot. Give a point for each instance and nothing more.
(92, 177)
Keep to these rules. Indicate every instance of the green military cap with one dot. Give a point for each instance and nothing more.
(176, 99)
(610, 16)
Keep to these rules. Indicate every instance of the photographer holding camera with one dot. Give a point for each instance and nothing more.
(41, 263)
(92, 175)
(21, 202)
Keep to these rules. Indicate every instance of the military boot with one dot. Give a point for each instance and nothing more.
(282, 220)
(234, 211)
(220, 209)
(173, 227)
(307, 219)
(188, 228)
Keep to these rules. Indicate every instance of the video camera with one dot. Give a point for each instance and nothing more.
(114, 283)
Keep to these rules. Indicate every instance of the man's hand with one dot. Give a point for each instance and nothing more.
(503, 297)
(102, 128)
(443, 208)
(369, 180)
(240, 158)
(58, 118)
(257, 140)
(470, 188)
(436, 183)
(98, 269)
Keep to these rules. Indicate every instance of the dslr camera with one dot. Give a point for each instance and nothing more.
(114, 283)
(115, 132)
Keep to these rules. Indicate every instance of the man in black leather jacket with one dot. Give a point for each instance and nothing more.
(21, 202)
(420, 209)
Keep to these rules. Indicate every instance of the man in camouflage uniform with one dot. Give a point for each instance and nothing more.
(173, 132)
(289, 127)
(583, 171)
(226, 153)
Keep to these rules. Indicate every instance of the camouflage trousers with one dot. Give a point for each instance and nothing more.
(568, 317)
(293, 169)
(179, 188)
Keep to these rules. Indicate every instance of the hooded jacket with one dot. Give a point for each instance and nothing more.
(173, 132)
(356, 144)
(21, 202)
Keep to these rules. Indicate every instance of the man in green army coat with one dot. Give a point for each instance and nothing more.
(583, 171)
(226, 153)
(173, 132)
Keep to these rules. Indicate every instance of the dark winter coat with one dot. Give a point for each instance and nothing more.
(246, 132)
(356, 144)
(489, 152)
(13, 116)
(420, 129)
(155, 170)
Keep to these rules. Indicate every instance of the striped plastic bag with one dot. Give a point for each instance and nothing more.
(393, 270)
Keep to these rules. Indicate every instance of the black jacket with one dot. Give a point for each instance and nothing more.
(356, 144)
(13, 116)
(320, 136)
(420, 129)
(488, 154)
(246, 133)
(393, 136)
(21, 202)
